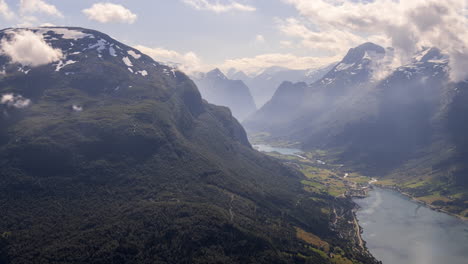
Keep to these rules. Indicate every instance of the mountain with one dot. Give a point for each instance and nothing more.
(298, 110)
(264, 85)
(216, 88)
(401, 127)
(107, 156)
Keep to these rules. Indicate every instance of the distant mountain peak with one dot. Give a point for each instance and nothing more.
(430, 54)
(216, 74)
(367, 50)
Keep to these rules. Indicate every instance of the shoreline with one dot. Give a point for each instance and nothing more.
(432, 207)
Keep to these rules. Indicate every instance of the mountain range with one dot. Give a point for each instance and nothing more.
(264, 84)
(404, 124)
(216, 88)
(107, 156)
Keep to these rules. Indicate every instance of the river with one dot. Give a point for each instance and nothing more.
(399, 230)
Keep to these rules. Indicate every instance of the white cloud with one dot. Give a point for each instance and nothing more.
(38, 6)
(77, 108)
(406, 25)
(5, 10)
(47, 25)
(16, 101)
(108, 13)
(260, 39)
(28, 21)
(29, 49)
(219, 7)
(255, 64)
(188, 62)
(332, 40)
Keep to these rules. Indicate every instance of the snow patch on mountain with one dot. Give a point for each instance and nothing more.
(65, 32)
(112, 52)
(343, 66)
(62, 64)
(143, 73)
(127, 61)
(134, 54)
(99, 46)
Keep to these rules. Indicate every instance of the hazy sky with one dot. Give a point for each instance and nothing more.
(251, 34)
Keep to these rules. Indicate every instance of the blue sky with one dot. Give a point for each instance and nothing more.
(252, 34)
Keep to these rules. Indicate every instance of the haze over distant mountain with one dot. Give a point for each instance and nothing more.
(217, 89)
(408, 124)
(107, 156)
(264, 84)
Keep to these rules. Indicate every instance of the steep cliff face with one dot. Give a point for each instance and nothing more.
(217, 89)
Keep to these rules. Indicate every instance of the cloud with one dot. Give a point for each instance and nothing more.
(218, 7)
(38, 6)
(188, 62)
(16, 101)
(259, 39)
(332, 40)
(5, 10)
(29, 49)
(108, 13)
(191, 63)
(255, 64)
(77, 108)
(406, 25)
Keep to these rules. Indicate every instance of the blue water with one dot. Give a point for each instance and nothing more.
(284, 151)
(400, 231)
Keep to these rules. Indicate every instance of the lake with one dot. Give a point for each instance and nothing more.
(284, 151)
(399, 230)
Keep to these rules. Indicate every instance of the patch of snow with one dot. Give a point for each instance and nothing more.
(439, 61)
(99, 46)
(65, 32)
(372, 55)
(21, 69)
(75, 53)
(61, 64)
(173, 70)
(343, 66)
(127, 61)
(16, 101)
(421, 55)
(143, 73)
(134, 54)
(130, 70)
(327, 81)
(112, 52)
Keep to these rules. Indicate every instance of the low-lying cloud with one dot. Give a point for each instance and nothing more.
(29, 49)
(187, 62)
(16, 101)
(252, 65)
(109, 13)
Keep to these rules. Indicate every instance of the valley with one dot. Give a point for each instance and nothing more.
(383, 214)
(327, 175)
